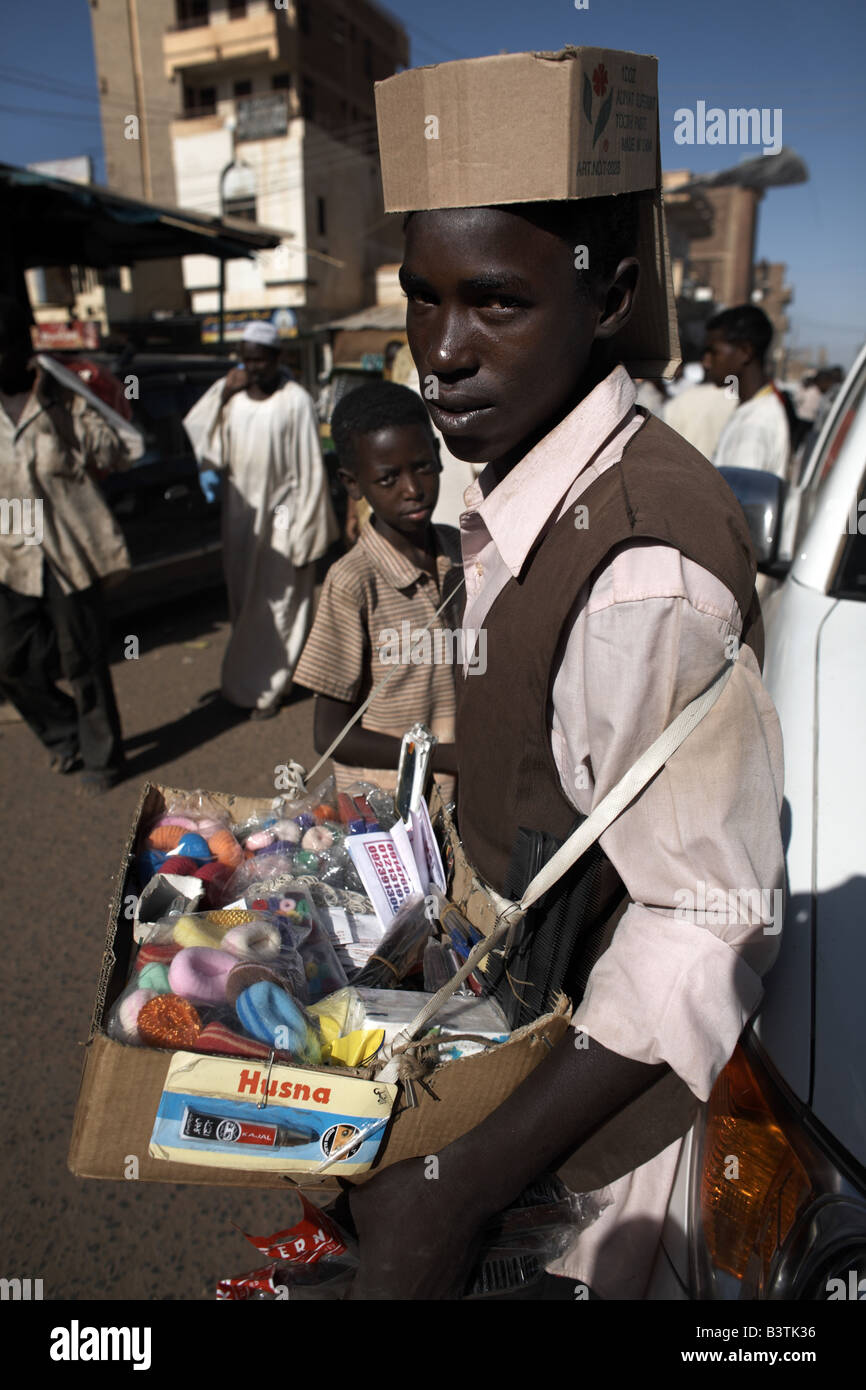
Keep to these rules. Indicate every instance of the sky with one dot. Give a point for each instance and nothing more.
(797, 55)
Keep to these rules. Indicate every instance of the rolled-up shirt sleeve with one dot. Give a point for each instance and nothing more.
(700, 850)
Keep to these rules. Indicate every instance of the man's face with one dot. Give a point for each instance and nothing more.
(498, 333)
(261, 363)
(722, 359)
(398, 473)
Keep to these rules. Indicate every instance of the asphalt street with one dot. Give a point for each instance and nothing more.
(97, 1239)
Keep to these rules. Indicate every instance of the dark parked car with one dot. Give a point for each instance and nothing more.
(172, 532)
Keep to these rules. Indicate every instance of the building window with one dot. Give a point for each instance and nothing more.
(368, 58)
(191, 13)
(321, 217)
(199, 101)
(237, 9)
(281, 81)
(244, 208)
(243, 88)
(308, 100)
(305, 23)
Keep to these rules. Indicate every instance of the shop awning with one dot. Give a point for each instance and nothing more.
(48, 221)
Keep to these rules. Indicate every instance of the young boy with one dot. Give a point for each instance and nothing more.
(612, 572)
(378, 598)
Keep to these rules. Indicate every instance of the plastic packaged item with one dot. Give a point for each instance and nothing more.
(400, 953)
(230, 981)
(315, 806)
(357, 935)
(339, 1013)
(393, 1009)
(300, 921)
(193, 838)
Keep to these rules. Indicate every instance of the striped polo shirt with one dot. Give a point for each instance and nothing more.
(374, 606)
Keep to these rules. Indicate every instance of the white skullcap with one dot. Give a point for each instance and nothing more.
(260, 331)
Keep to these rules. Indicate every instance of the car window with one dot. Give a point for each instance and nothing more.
(163, 402)
(832, 447)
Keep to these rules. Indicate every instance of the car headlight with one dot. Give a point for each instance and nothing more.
(772, 1216)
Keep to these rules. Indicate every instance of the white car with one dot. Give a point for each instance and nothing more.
(770, 1195)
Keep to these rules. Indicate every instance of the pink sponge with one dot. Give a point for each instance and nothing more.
(199, 974)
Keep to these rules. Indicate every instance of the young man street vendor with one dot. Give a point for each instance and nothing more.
(611, 570)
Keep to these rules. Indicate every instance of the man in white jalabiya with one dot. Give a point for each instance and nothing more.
(259, 428)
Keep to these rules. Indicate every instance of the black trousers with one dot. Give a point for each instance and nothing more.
(61, 634)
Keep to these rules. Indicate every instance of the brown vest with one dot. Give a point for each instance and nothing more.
(661, 490)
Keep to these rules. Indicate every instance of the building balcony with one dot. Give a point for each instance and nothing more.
(200, 46)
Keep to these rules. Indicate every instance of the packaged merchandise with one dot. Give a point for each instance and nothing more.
(400, 953)
(227, 980)
(215, 1112)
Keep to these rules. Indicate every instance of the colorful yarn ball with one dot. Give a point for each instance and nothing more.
(149, 862)
(168, 1021)
(261, 940)
(186, 822)
(216, 1037)
(208, 826)
(223, 844)
(304, 820)
(200, 974)
(159, 953)
(192, 931)
(165, 837)
(194, 847)
(154, 977)
(246, 974)
(325, 812)
(124, 1026)
(287, 830)
(178, 864)
(215, 876)
(260, 839)
(268, 1013)
(307, 861)
(318, 837)
(231, 916)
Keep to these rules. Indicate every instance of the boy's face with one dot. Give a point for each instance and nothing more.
(499, 334)
(398, 473)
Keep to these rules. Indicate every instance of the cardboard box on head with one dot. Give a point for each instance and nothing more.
(539, 127)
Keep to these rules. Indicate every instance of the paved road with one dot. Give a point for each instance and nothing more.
(112, 1240)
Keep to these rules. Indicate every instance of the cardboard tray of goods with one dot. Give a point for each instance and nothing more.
(122, 1086)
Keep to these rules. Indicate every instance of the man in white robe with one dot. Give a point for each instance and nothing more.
(260, 429)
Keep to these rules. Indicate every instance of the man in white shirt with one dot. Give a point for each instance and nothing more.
(260, 427)
(757, 434)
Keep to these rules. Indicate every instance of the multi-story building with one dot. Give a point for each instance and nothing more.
(263, 111)
(712, 234)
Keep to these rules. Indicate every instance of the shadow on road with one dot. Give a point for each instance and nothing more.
(211, 717)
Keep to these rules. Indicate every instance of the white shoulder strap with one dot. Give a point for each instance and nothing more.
(620, 796)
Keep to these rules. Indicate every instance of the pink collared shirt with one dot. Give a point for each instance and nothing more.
(679, 981)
